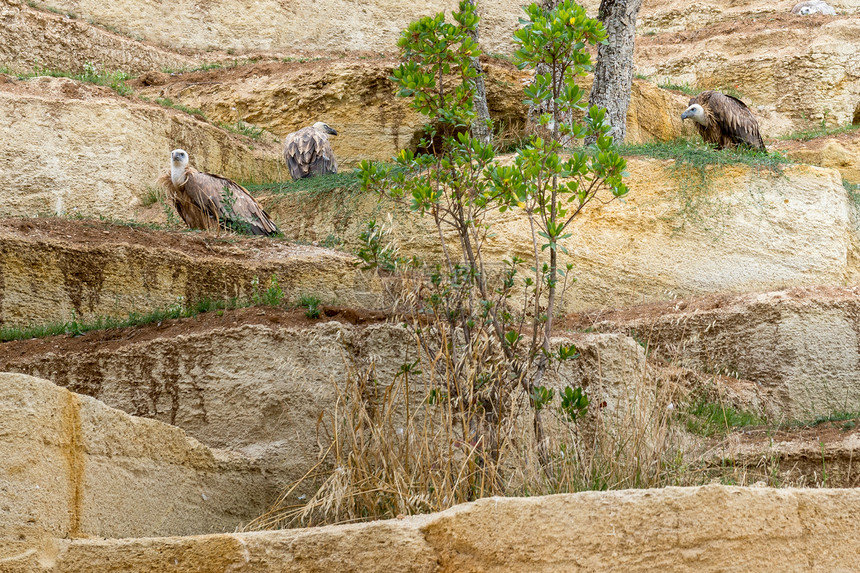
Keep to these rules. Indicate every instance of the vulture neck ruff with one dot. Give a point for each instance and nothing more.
(178, 175)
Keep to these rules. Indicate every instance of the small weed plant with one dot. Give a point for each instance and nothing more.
(311, 303)
(272, 295)
(375, 251)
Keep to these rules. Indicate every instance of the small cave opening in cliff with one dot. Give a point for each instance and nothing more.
(856, 119)
(509, 133)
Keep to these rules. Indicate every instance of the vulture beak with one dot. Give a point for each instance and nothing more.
(686, 114)
(330, 130)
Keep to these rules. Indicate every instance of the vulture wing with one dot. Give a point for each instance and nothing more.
(309, 153)
(228, 203)
(735, 119)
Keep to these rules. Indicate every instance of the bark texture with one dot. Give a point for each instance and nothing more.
(613, 74)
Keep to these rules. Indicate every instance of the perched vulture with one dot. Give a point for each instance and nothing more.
(724, 120)
(813, 7)
(206, 201)
(308, 152)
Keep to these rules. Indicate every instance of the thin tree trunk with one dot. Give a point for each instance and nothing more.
(481, 123)
(613, 74)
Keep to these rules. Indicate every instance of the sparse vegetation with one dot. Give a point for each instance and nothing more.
(167, 102)
(853, 190)
(819, 131)
(694, 153)
(243, 128)
(685, 89)
(347, 180)
(270, 295)
(152, 196)
(707, 419)
(92, 73)
(482, 335)
(76, 327)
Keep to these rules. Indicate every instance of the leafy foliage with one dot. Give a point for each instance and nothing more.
(373, 251)
(311, 304)
(493, 326)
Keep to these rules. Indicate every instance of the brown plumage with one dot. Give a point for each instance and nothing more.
(308, 152)
(209, 202)
(724, 120)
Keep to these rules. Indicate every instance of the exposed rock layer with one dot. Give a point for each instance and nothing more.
(109, 270)
(800, 345)
(71, 467)
(681, 231)
(38, 39)
(711, 528)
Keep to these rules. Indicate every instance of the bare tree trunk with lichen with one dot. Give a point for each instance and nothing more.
(481, 123)
(613, 74)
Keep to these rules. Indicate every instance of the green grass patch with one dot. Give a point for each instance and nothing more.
(695, 153)
(167, 102)
(311, 185)
(818, 131)
(853, 190)
(837, 416)
(151, 196)
(709, 419)
(76, 328)
(92, 74)
(268, 294)
(685, 89)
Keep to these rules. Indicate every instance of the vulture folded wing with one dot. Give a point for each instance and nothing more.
(292, 155)
(308, 152)
(229, 204)
(190, 202)
(736, 118)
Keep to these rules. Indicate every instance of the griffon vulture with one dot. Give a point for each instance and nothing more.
(813, 7)
(724, 120)
(308, 152)
(206, 201)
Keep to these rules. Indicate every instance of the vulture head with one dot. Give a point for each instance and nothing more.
(178, 163)
(324, 127)
(697, 113)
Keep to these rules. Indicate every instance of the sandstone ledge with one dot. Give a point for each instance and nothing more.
(799, 346)
(53, 270)
(709, 528)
